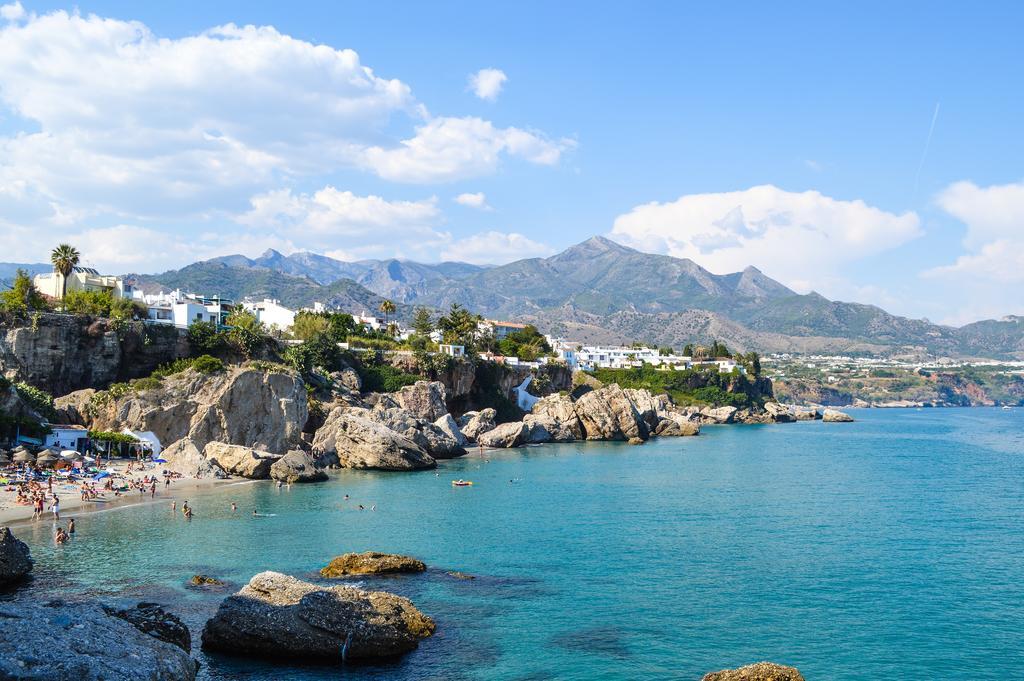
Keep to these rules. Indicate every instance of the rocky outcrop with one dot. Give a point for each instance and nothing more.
(348, 380)
(241, 406)
(718, 414)
(557, 413)
(673, 427)
(836, 416)
(74, 407)
(150, 618)
(779, 413)
(423, 399)
(241, 461)
(804, 414)
(431, 438)
(280, 617)
(762, 671)
(650, 407)
(505, 436)
(450, 428)
(360, 442)
(608, 414)
(185, 458)
(62, 353)
(297, 466)
(371, 563)
(15, 559)
(62, 641)
(475, 423)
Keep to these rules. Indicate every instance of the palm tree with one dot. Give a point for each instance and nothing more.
(64, 258)
(386, 307)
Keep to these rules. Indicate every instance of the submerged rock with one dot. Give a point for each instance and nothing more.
(360, 442)
(762, 671)
(371, 563)
(242, 461)
(15, 558)
(60, 641)
(836, 416)
(460, 575)
(297, 466)
(205, 580)
(278, 616)
(150, 618)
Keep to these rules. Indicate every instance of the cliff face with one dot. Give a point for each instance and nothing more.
(62, 353)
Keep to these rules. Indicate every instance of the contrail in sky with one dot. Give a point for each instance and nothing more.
(924, 155)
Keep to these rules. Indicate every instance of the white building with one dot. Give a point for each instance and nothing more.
(184, 309)
(370, 321)
(66, 437)
(271, 313)
(452, 350)
(498, 329)
(81, 279)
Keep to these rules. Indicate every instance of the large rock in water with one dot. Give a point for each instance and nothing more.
(371, 563)
(608, 414)
(242, 461)
(60, 641)
(779, 413)
(450, 428)
(650, 407)
(241, 406)
(505, 436)
(297, 466)
(473, 424)
(184, 457)
(431, 438)
(281, 617)
(676, 427)
(424, 399)
(557, 413)
(836, 416)
(15, 559)
(762, 671)
(718, 414)
(360, 442)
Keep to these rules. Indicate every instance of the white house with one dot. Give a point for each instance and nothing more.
(66, 437)
(452, 350)
(271, 313)
(370, 321)
(81, 279)
(498, 329)
(184, 309)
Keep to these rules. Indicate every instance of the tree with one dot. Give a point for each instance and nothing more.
(309, 324)
(392, 329)
(386, 307)
(22, 296)
(688, 350)
(422, 323)
(459, 326)
(666, 351)
(64, 259)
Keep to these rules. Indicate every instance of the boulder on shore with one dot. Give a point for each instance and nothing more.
(779, 413)
(184, 457)
(805, 414)
(431, 438)
(62, 641)
(360, 442)
(280, 617)
(297, 466)
(424, 399)
(371, 563)
(505, 436)
(718, 414)
(242, 461)
(557, 413)
(15, 558)
(836, 416)
(676, 427)
(473, 424)
(450, 428)
(608, 414)
(762, 671)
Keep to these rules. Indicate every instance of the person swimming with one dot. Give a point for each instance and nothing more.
(234, 506)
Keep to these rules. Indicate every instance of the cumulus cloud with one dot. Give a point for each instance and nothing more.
(477, 200)
(12, 11)
(448, 149)
(799, 237)
(487, 83)
(994, 240)
(490, 248)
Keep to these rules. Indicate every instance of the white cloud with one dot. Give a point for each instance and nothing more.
(800, 238)
(12, 12)
(489, 248)
(477, 200)
(448, 149)
(994, 240)
(487, 83)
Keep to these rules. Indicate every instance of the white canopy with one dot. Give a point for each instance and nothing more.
(148, 437)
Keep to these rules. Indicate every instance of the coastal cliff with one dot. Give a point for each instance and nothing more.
(61, 353)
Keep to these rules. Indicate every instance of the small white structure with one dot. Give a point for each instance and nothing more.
(271, 313)
(369, 321)
(498, 329)
(147, 438)
(524, 399)
(66, 437)
(452, 350)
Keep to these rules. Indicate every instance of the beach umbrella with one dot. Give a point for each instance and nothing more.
(100, 476)
(46, 460)
(71, 455)
(23, 456)
(5, 458)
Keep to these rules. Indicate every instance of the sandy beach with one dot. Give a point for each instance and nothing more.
(71, 503)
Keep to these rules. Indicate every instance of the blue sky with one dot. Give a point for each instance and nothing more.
(789, 138)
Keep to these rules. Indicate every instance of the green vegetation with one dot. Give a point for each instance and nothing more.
(22, 297)
(459, 327)
(39, 400)
(102, 304)
(689, 386)
(527, 344)
(319, 351)
(384, 378)
(112, 437)
(64, 258)
(204, 364)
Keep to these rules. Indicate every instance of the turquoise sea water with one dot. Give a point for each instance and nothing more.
(892, 547)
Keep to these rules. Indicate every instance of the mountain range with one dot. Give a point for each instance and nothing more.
(600, 291)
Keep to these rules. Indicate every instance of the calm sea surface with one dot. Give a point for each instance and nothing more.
(892, 547)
